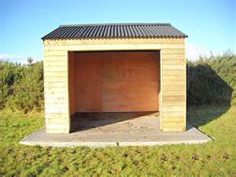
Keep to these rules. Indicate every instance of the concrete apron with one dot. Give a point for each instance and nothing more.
(108, 130)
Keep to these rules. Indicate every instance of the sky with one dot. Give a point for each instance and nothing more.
(209, 24)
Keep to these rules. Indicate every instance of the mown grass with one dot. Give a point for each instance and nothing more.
(216, 158)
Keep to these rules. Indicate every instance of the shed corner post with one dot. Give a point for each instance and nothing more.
(173, 87)
(160, 98)
(56, 89)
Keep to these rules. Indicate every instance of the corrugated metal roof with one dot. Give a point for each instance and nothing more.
(125, 30)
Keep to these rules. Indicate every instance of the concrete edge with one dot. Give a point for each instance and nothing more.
(211, 138)
(35, 132)
(70, 144)
(24, 141)
(161, 143)
(111, 144)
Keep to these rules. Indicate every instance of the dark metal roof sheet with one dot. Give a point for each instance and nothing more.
(125, 30)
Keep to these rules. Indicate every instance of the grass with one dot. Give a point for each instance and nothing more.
(215, 158)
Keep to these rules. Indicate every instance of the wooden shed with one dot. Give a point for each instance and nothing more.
(114, 68)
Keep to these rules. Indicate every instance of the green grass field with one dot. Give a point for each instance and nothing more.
(215, 158)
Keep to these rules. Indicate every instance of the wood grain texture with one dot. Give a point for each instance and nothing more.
(173, 94)
(72, 81)
(116, 81)
(56, 92)
(88, 42)
(88, 84)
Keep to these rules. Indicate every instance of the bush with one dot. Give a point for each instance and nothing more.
(21, 86)
(212, 80)
(10, 73)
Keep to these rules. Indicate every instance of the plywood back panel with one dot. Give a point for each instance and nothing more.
(130, 81)
(116, 81)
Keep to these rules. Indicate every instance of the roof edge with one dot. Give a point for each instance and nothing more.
(107, 38)
(98, 24)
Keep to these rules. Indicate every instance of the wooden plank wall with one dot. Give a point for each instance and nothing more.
(173, 90)
(173, 78)
(56, 92)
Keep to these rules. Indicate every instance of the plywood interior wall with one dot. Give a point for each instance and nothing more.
(118, 81)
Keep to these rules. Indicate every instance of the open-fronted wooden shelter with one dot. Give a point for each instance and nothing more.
(114, 68)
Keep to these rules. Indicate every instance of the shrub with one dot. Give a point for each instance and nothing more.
(21, 86)
(28, 91)
(212, 80)
(10, 73)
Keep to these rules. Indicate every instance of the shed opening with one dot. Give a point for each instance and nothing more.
(114, 82)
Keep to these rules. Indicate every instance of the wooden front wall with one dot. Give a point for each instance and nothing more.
(56, 78)
(114, 81)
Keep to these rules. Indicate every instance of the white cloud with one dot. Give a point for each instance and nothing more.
(16, 58)
(194, 51)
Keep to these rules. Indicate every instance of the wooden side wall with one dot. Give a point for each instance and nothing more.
(56, 92)
(72, 82)
(173, 78)
(173, 90)
(88, 83)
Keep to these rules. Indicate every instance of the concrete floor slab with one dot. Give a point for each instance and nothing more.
(120, 129)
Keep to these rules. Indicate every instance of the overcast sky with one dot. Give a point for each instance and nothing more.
(210, 24)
